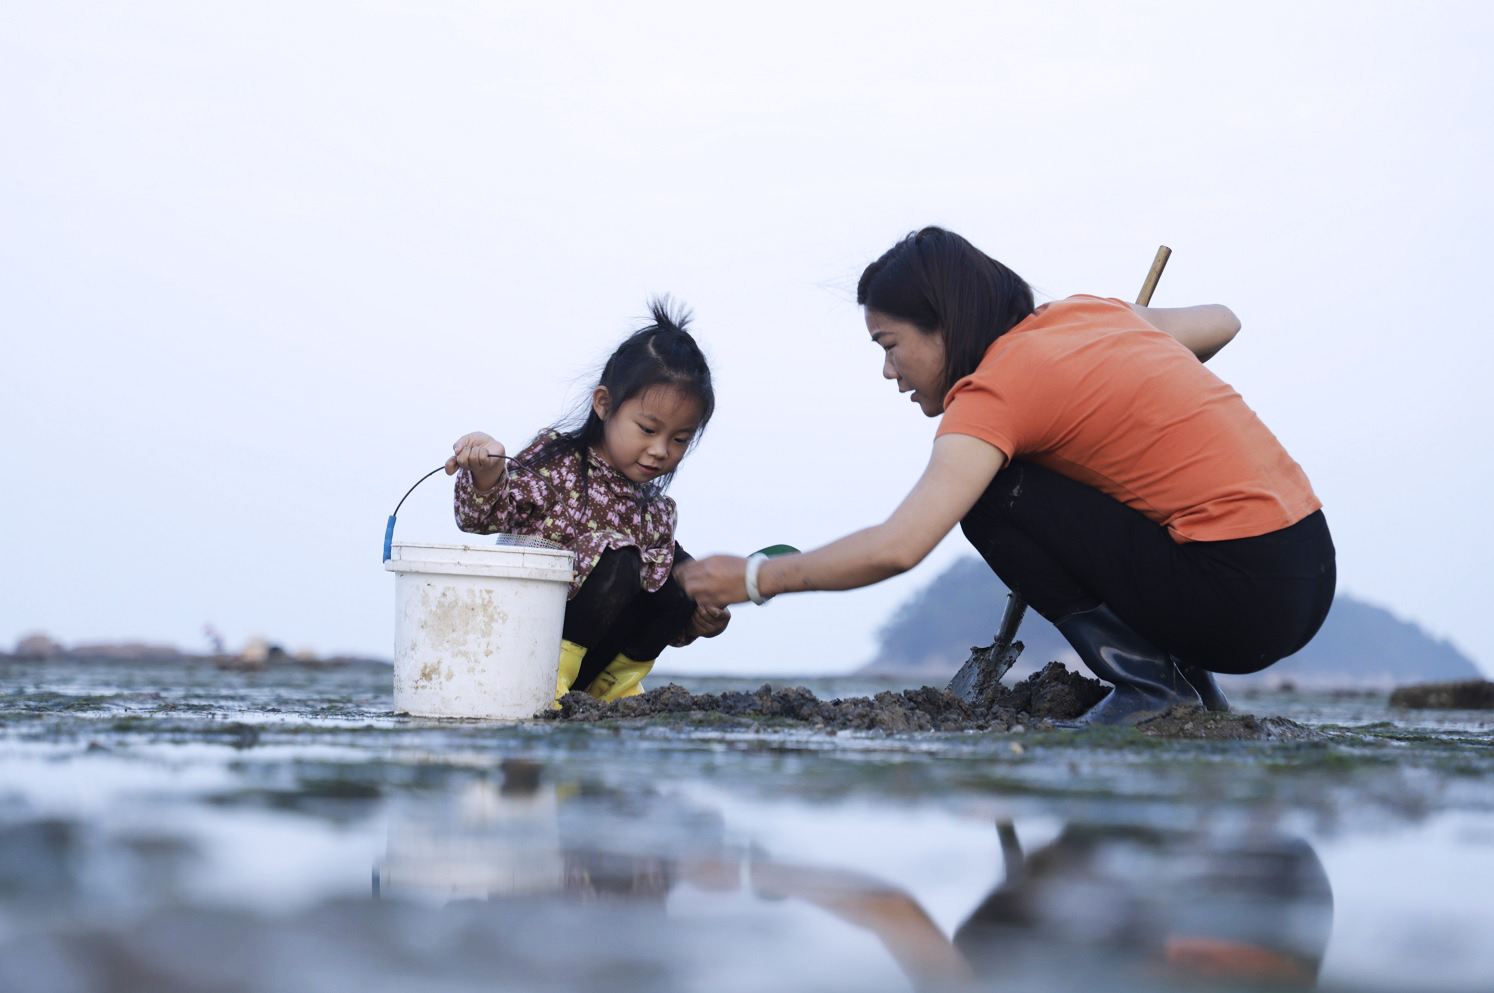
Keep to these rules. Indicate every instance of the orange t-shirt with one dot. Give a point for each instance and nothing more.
(1089, 389)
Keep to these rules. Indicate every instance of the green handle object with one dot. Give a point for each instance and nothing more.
(756, 559)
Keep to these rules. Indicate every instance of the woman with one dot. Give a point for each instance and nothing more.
(1128, 494)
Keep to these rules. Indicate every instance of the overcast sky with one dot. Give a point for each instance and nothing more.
(261, 263)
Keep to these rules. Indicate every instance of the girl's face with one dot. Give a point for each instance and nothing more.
(646, 437)
(913, 357)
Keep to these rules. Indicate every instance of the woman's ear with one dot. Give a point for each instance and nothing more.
(600, 401)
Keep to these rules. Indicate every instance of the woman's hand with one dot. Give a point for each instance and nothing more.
(482, 456)
(715, 581)
(706, 622)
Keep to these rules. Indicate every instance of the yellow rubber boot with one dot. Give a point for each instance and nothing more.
(571, 655)
(622, 677)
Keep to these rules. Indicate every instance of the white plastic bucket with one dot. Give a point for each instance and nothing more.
(477, 627)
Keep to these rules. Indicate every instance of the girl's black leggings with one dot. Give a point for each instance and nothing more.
(612, 613)
(1228, 606)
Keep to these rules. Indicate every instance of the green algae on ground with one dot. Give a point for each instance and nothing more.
(1191, 722)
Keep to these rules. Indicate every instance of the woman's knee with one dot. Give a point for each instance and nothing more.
(989, 523)
(1022, 496)
(1003, 492)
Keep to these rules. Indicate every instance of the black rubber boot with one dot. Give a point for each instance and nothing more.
(1146, 680)
(1203, 682)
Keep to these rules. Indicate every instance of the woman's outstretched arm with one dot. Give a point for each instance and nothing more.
(1204, 329)
(958, 472)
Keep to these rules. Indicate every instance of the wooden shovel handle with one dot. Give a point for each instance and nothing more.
(1158, 264)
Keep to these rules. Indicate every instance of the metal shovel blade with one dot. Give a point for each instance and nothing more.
(978, 678)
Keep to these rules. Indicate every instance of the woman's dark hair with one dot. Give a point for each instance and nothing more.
(661, 354)
(944, 285)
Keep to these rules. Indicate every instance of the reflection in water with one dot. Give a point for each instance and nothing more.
(532, 838)
(1118, 906)
(1256, 909)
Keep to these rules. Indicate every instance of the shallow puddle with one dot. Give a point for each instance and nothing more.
(174, 827)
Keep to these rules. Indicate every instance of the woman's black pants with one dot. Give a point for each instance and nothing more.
(613, 613)
(1227, 606)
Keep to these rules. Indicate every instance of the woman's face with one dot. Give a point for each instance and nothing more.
(911, 356)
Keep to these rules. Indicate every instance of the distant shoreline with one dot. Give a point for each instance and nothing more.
(276, 660)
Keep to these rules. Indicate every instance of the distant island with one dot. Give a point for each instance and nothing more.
(1360, 644)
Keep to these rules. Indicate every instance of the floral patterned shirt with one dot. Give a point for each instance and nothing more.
(607, 511)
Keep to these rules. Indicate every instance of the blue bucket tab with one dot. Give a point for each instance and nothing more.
(389, 538)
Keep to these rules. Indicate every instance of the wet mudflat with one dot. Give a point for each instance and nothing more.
(178, 827)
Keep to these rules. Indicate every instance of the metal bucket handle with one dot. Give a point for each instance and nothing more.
(389, 527)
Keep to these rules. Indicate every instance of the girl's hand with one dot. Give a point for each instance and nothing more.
(706, 622)
(711, 621)
(482, 456)
(715, 581)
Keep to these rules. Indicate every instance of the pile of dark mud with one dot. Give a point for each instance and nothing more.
(1470, 694)
(1052, 694)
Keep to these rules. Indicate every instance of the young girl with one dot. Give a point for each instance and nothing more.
(598, 489)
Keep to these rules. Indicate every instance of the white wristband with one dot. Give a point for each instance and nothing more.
(754, 563)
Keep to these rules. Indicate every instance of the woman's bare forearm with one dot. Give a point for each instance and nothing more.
(859, 559)
(1204, 329)
(958, 472)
